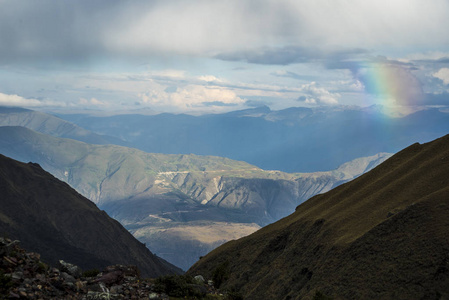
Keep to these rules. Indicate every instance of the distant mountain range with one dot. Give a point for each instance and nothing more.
(296, 139)
(50, 217)
(182, 206)
(48, 124)
(384, 235)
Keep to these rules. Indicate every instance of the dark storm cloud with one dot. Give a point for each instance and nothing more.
(65, 31)
(31, 30)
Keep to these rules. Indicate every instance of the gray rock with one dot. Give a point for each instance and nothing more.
(199, 279)
(17, 275)
(70, 268)
(68, 278)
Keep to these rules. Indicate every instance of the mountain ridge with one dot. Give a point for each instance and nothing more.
(295, 139)
(143, 190)
(382, 235)
(49, 217)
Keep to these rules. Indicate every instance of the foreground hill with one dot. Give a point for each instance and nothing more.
(384, 235)
(50, 217)
(182, 206)
(296, 139)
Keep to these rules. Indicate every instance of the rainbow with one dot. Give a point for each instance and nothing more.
(393, 86)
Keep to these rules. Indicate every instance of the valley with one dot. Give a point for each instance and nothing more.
(162, 194)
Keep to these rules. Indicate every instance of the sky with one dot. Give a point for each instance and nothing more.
(215, 56)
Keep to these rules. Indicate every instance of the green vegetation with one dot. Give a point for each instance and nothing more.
(91, 273)
(221, 273)
(5, 283)
(178, 286)
(42, 267)
(383, 235)
(320, 296)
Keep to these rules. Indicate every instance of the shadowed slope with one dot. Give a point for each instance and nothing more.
(383, 235)
(50, 217)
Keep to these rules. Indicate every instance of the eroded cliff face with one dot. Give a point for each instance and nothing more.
(270, 195)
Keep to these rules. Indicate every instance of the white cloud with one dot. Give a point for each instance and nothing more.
(92, 102)
(314, 94)
(15, 100)
(190, 98)
(442, 74)
(429, 55)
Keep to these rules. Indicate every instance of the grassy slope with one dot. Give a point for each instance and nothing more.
(382, 235)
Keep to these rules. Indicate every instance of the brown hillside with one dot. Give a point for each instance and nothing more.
(384, 235)
(51, 218)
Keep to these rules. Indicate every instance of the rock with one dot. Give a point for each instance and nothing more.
(114, 277)
(17, 275)
(70, 268)
(32, 279)
(68, 278)
(199, 279)
(117, 289)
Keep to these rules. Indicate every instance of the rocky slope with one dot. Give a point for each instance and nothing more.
(158, 196)
(384, 235)
(23, 275)
(49, 217)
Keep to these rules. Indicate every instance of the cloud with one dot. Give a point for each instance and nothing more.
(289, 74)
(288, 55)
(86, 30)
(191, 97)
(392, 81)
(443, 75)
(313, 94)
(15, 100)
(92, 102)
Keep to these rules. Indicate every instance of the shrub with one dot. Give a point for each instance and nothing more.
(91, 273)
(320, 296)
(5, 284)
(176, 286)
(221, 274)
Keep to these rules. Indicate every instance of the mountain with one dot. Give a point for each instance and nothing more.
(296, 139)
(48, 124)
(384, 235)
(49, 217)
(182, 206)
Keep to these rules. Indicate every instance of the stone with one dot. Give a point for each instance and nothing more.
(17, 275)
(199, 279)
(70, 268)
(23, 294)
(117, 289)
(114, 277)
(67, 277)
